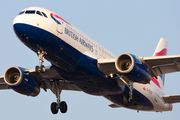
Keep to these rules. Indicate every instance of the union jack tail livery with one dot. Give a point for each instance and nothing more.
(161, 50)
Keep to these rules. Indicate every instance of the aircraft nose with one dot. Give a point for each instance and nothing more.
(17, 19)
(16, 27)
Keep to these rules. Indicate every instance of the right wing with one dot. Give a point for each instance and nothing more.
(45, 80)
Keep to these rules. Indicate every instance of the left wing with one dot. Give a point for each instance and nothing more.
(3, 85)
(171, 98)
(162, 64)
(45, 80)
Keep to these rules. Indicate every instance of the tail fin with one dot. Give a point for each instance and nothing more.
(161, 50)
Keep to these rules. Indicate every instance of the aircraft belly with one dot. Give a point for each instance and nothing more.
(144, 104)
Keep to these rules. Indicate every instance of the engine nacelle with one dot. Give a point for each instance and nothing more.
(21, 81)
(132, 68)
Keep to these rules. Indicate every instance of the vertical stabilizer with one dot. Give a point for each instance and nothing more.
(161, 50)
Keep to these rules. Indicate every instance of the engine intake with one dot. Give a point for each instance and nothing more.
(21, 82)
(132, 68)
(124, 63)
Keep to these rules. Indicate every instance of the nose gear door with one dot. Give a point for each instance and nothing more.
(60, 27)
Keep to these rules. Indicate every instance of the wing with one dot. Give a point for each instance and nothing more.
(156, 65)
(2, 83)
(162, 64)
(45, 80)
(171, 99)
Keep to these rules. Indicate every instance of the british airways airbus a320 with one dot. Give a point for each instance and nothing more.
(81, 64)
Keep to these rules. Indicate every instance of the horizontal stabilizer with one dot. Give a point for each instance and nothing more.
(171, 99)
(114, 106)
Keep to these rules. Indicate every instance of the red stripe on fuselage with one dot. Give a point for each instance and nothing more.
(59, 18)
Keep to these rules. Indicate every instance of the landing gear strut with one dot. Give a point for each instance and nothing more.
(129, 84)
(41, 55)
(56, 89)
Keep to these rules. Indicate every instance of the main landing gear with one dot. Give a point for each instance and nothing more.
(55, 106)
(41, 55)
(127, 99)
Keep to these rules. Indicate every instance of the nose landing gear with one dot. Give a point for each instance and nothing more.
(41, 54)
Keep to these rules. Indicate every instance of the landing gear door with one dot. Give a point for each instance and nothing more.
(60, 27)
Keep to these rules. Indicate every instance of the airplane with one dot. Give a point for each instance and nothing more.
(79, 63)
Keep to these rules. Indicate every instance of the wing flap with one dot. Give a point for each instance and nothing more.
(107, 66)
(171, 99)
(162, 64)
(160, 60)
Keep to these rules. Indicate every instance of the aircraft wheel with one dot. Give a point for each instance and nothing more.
(63, 107)
(37, 69)
(54, 109)
(136, 99)
(43, 69)
(126, 100)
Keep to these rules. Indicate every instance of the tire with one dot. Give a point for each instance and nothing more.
(54, 109)
(43, 69)
(126, 100)
(37, 69)
(63, 107)
(136, 99)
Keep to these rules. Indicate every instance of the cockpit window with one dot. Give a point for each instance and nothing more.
(33, 12)
(44, 14)
(39, 13)
(21, 12)
(30, 12)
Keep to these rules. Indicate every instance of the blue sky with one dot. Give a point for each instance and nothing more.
(121, 26)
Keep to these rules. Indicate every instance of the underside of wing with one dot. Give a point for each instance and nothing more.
(156, 65)
(45, 80)
(162, 64)
(3, 85)
(171, 98)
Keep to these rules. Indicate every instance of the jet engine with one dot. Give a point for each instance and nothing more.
(132, 68)
(21, 81)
